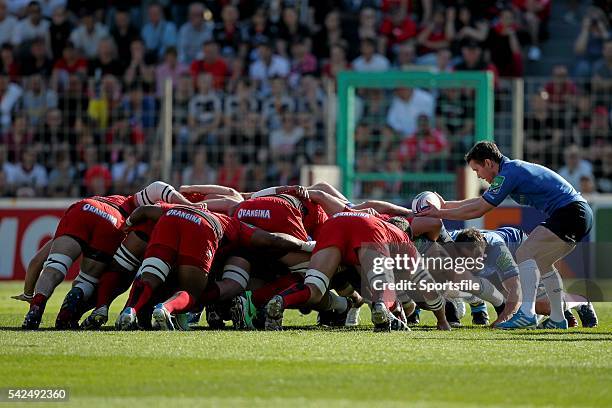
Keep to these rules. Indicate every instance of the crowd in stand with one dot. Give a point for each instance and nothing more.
(82, 85)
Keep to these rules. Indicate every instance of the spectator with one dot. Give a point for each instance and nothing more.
(397, 27)
(53, 136)
(455, 111)
(436, 35)
(31, 27)
(211, 63)
(310, 97)
(101, 106)
(504, 46)
(73, 101)
(8, 23)
(96, 177)
(603, 171)
(198, 171)
(193, 34)
(367, 28)
(266, 66)
(259, 31)
(425, 149)
(465, 28)
(18, 138)
(283, 141)
(181, 99)
(534, 13)
(588, 189)
(278, 102)
(589, 44)
(158, 34)
(302, 61)
(88, 35)
(290, 30)
(575, 167)
(69, 63)
(598, 137)
(37, 99)
(369, 60)
(106, 62)
(59, 32)
(63, 177)
(10, 67)
(472, 59)
(602, 72)
(229, 34)
(406, 56)
(232, 172)
(120, 135)
(205, 112)
(140, 108)
(124, 33)
(406, 107)
(542, 138)
(29, 178)
(250, 137)
(129, 173)
(10, 94)
(329, 35)
(170, 68)
(138, 70)
(337, 62)
(561, 90)
(37, 62)
(238, 105)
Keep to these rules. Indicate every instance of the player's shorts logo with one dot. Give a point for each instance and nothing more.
(496, 184)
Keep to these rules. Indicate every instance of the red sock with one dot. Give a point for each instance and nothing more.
(211, 294)
(181, 302)
(295, 296)
(263, 295)
(39, 300)
(140, 295)
(107, 289)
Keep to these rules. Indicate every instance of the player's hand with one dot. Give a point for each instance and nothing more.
(430, 211)
(299, 191)
(23, 297)
(442, 200)
(443, 326)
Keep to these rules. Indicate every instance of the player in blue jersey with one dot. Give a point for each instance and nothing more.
(569, 220)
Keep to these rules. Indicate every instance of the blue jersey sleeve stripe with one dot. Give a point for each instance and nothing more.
(489, 200)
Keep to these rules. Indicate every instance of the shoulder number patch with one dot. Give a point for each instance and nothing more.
(496, 184)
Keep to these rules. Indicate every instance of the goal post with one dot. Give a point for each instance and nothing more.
(481, 82)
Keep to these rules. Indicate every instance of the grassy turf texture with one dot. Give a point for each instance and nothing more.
(306, 366)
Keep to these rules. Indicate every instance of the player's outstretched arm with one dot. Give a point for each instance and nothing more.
(470, 209)
(513, 289)
(225, 205)
(282, 243)
(297, 190)
(34, 270)
(144, 213)
(330, 204)
(210, 189)
(384, 207)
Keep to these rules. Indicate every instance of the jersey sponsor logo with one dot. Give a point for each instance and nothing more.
(245, 213)
(90, 208)
(504, 262)
(496, 184)
(186, 216)
(352, 214)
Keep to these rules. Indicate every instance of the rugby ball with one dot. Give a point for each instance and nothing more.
(422, 200)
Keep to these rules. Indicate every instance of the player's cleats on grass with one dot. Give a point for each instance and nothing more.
(480, 315)
(414, 318)
(127, 320)
(33, 318)
(161, 318)
(181, 321)
(68, 316)
(244, 311)
(398, 318)
(587, 315)
(499, 309)
(381, 317)
(551, 324)
(274, 313)
(213, 318)
(352, 317)
(193, 318)
(519, 321)
(96, 319)
(332, 318)
(571, 320)
(451, 314)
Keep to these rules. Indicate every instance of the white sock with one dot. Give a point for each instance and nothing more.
(529, 276)
(554, 289)
(488, 292)
(338, 303)
(86, 283)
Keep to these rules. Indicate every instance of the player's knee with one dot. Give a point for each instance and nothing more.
(156, 267)
(318, 281)
(524, 252)
(58, 262)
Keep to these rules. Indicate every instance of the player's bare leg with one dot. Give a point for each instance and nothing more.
(63, 252)
(33, 271)
(192, 281)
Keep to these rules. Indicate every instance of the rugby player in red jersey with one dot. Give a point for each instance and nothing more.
(91, 227)
(186, 238)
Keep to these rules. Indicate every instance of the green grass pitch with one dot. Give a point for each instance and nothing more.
(305, 366)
